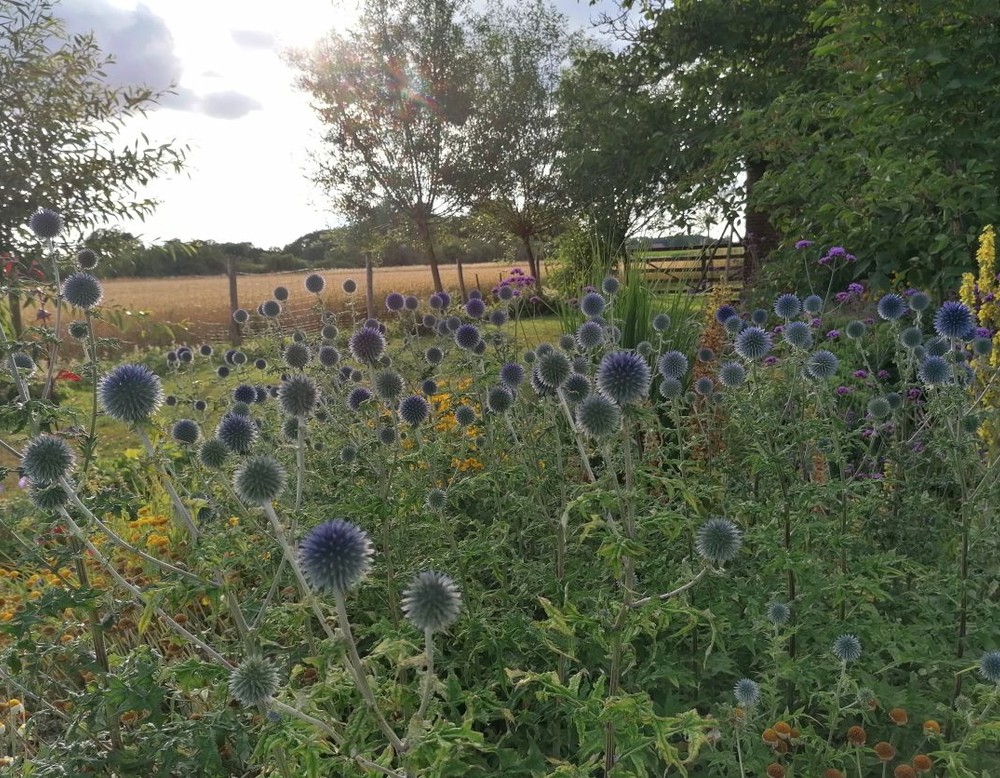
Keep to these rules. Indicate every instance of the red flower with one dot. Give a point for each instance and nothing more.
(66, 375)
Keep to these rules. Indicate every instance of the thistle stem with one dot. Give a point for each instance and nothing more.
(429, 677)
(300, 459)
(179, 506)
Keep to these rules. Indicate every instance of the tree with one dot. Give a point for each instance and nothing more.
(507, 171)
(393, 95)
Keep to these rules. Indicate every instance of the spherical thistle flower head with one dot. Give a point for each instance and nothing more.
(553, 368)
(919, 301)
(45, 223)
(567, 342)
(759, 317)
(624, 376)
(661, 322)
(350, 286)
(989, 667)
(746, 692)
(336, 555)
(240, 409)
(797, 335)
(394, 301)
(467, 336)
(358, 397)
(885, 751)
(47, 497)
(911, 337)
(367, 345)
(937, 346)
(86, 259)
(348, 454)
(270, 308)
(411, 303)
(47, 458)
(541, 388)
(671, 388)
(436, 499)
(185, 355)
(954, 320)
(253, 681)
(855, 330)
(241, 316)
(672, 364)
(822, 365)
(891, 306)
(429, 387)
(290, 428)
(388, 385)
(465, 416)
(441, 328)
(598, 416)
(847, 648)
(934, 371)
(475, 308)
(787, 306)
(244, 393)
(704, 386)
(222, 371)
(589, 336)
(576, 387)
(298, 395)
(79, 330)
(200, 405)
(259, 480)
(414, 410)
(499, 399)
(297, 355)
(982, 347)
(732, 374)
(239, 358)
(725, 313)
(753, 343)
(386, 435)
(432, 601)
(812, 304)
(237, 433)
(329, 332)
(733, 325)
(511, 375)
(315, 283)
(610, 285)
(879, 408)
(82, 290)
(130, 393)
(280, 293)
(185, 431)
(718, 540)
(505, 293)
(775, 770)
(856, 736)
(593, 304)
(778, 613)
(328, 356)
(499, 317)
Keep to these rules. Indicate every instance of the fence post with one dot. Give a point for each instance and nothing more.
(235, 336)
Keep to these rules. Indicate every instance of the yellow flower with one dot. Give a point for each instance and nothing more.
(234, 521)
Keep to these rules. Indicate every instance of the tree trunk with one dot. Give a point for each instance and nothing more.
(235, 336)
(461, 278)
(533, 266)
(761, 237)
(428, 238)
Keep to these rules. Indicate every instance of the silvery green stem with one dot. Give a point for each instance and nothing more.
(300, 459)
(22, 389)
(91, 355)
(322, 726)
(576, 436)
(739, 756)
(54, 348)
(429, 677)
(670, 595)
(123, 544)
(169, 486)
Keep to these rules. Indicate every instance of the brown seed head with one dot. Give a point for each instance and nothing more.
(857, 736)
(775, 770)
(886, 752)
(931, 727)
(923, 763)
(784, 731)
(770, 736)
(904, 771)
(898, 716)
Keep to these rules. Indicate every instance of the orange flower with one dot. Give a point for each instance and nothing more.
(857, 736)
(923, 763)
(904, 771)
(770, 736)
(784, 731)
(931, 727)
(886, 752)
(898, 716)
(775, 770)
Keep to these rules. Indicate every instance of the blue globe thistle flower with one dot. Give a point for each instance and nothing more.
(732, 374)
(598, 416)
(170, 400)
(544, 348)
(934, 371)
(553, 368)
(280, 293)
(328, 356)
(746, 692)
(989, 666)
(253, 681)
(529, 356)
(206, 350)
(733, 325)
(718, 540)
(592, 304)
(797, 335)
(759, 317)
(753, 343)
(45, 223)
(356, 376)
(704, 386)
(238, 433)
(475, 308)
(610, 285)
(388, 385)
(23, 362)
(315, 283)
(244, 393)
(335, 556)
(855, 330)
(541, 388)
(919, 301)
(386, 435)
(432, 601)
(394, 301)
(879, 408)
(475, 294)
(47, 497)
(661, 322)
(348, 454)
(270, 308)
(213, 453)
(672, 364)
(46, 459)
(297, 355)
(911, 337)
(891, 307)
(505, 293)
(465, 416)
(241, 316)
(624, 376)
(436, 499)
(511, 375)
(185, 355)
(298, 395)
(954, 320)
(240, 409)
(82, 290)
(725, 313)
(847, 648)
(130, 393)
(576, 387)
(239, 358)
(778, 613)
(259, 480)
(171, 358)
(350, 286)
(895, 400)
(938, 346)
(411, 303)
(670, 388)
(467, 336)
(200, 405)
(414, 410)
(499, 399)
(822, 365)
(435, 302)
(367, 345)
(589, 335)
(79, 330)
(445, 299)
(498, 318)
(433, 355)
(813, 304)
(567, 342)
(580, 364)
(290, 428)
(982, 347)
(429, 386)
(185, 431)
(787, 306)
(442, 328)
(86, 259)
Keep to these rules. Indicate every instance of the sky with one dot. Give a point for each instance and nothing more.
(249, 131)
